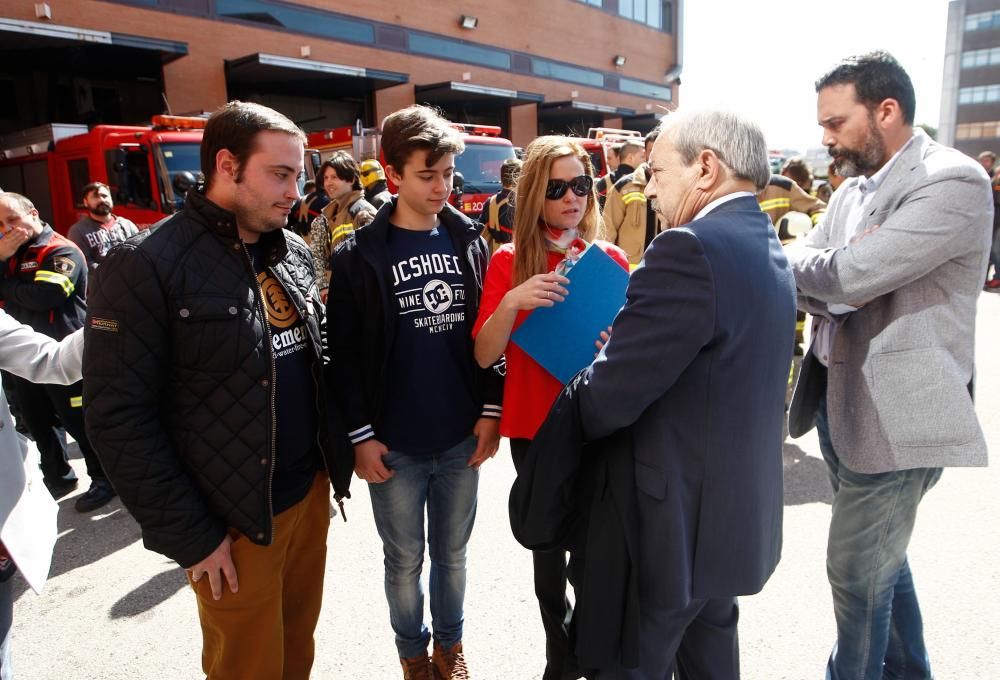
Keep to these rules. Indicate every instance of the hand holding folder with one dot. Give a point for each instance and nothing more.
(561, 338)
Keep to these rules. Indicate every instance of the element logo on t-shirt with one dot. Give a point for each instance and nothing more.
(280, 310)
(438, 296)
(288, 333)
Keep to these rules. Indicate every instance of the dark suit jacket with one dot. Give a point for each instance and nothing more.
(581, 498)
(698, 365)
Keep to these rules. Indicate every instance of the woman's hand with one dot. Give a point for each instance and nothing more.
(541, 290)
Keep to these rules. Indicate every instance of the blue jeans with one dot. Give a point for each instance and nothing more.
(447, 487)
(879, 628)
(6, 620)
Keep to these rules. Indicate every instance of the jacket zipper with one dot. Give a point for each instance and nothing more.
(274, 374)
(316, 394)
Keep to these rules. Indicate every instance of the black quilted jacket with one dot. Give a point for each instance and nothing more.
(179, 378)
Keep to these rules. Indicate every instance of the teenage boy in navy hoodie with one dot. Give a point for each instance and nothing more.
(421, 415)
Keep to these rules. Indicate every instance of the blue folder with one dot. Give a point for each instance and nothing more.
(561, 338)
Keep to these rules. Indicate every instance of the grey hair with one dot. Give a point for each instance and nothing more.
(23, 203)
(739, 143)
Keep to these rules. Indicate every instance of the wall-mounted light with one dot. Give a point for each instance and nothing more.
(619, 60)
(468, 22)
(305, 51)
(43, 10)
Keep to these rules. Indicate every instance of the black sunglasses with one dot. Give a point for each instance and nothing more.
(581, 186)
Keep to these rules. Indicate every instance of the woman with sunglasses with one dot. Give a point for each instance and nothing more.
(555, 206)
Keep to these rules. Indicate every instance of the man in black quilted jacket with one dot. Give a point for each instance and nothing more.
(203, 388)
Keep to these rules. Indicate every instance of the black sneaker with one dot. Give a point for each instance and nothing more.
(61, 487)
(99, 494)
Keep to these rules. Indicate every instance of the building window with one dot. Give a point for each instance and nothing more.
(988, 130)
(459, 51)
(982, 94)
(657, 14)
(981, 58)
(552, 69)
(644, 89)
(594, 3)
(301, 20)
(982, 21)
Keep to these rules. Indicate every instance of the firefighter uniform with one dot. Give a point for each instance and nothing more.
(497, 218)
(44, 286)
(782, 195)
(629, 221)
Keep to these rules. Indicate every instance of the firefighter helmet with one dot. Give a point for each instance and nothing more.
(371, 172)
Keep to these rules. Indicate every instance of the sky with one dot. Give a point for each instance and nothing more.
(762, 57)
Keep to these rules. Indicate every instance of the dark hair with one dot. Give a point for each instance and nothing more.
(92, 187)
(418, 128)
(345, 166)
(798, 171)
(652, 135)
(234, 126)
(876, 76)
(510, 169)
(308, 186)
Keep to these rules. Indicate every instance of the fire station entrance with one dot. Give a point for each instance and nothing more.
(643, 123)
(64, 74)
(475, 104)
(575, 117)
(316, 95)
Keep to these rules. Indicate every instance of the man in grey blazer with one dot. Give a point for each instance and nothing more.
(892, 275)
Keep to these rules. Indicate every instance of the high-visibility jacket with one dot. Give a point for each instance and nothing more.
(626, 214)
(44, 285)
(783, 195)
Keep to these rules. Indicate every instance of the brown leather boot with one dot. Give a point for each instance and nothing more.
(417, 668)
(449, 664)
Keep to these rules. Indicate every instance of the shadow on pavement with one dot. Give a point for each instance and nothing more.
(806, 478)
(153, 592)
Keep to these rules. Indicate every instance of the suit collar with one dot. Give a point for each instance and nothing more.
(740, 200)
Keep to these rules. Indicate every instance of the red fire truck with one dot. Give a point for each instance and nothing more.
(149, 168)
(599, 139)
(477, 169)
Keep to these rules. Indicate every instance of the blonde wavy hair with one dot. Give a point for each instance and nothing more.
(530, 247)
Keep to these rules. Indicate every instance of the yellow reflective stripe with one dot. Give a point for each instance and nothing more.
(76, 402)
(56, 278)
(775, 204)
(342, 230)
(633, 196)
(817, 216)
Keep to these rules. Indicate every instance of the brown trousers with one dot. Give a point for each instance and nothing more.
(265, 631)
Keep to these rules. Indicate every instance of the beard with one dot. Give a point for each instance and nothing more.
(101, 209)
(864, 161)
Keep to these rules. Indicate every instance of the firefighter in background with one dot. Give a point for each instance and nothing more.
(347, 210)
(44, 285)
(797, 170)
(629, 219)
(374, 182)
(497, 216)
(782, 195)
(307, 208)
(604, 184)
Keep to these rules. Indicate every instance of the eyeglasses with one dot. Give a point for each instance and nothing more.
(581, 186)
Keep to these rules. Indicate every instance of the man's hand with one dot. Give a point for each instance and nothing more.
(218, 565)
(368, 463)
(487, 431)
(11, 240)
(602, 341)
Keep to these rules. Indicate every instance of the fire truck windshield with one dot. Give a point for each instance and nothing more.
(480, 166)
(181, 157)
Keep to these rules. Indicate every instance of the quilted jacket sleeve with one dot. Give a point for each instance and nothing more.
(126, 364)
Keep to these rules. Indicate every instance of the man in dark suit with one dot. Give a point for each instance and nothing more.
(696, 366)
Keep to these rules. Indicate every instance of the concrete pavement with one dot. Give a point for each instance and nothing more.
(114, 611)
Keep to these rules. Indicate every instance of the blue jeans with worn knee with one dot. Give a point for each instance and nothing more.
(879, 626)
(446, 487)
